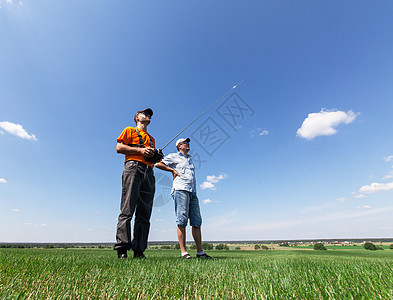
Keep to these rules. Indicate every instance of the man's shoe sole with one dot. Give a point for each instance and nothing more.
(203, 256)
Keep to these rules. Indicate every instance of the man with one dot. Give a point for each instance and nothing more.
(184, 193)
(138, 186)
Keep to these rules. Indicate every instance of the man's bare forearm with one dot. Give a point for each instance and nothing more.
(125, 149)
(163, 167)
(128, 150)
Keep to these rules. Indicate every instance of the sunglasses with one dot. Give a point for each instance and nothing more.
(146, 114)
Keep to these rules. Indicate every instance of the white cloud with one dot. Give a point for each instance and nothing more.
(324, 123)
(388, 158)
(263, 132)
(211, 180)
(17, 129)
(15, 210)
(206, 201)
(28, 224)
(360, 196)
(258, 132)
(342, 199)
(389, 175)
(364, 207)
(376, 187)
(1, 132)
(2, 180)
(215, 179)
(207, 185)
(11, 2)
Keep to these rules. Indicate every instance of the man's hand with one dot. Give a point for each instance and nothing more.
(164, 167)
(175, 174)
(148, 152)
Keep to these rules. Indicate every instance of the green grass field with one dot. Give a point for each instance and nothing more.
(291, 274)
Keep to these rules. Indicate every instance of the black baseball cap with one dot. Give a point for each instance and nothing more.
(147, 111)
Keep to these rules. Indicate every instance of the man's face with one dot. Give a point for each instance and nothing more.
(143, 118)
(184, 146)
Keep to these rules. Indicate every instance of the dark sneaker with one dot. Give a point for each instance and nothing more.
(139, 255)
(186, 256)
(204, 256)
(122, 254)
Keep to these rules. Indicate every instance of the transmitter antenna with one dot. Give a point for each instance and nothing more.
(235, 86)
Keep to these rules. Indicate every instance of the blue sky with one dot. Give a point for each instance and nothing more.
(309, 155)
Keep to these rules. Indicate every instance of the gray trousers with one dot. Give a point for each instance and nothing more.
(138, 187)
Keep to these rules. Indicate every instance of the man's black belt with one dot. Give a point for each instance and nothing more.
(140, 163)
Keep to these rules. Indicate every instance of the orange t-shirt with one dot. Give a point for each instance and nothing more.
(129, 136)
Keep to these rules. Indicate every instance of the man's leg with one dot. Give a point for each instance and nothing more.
(130, 191)
(197, 235)
(143, 214)
(196, 223)
(182, 200)
(181, 236)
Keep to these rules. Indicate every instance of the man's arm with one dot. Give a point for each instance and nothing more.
(125, 149)
(164, 167)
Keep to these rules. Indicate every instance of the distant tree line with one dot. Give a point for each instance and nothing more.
(51, 246)
(205, 246)
(222, 246)
(20, 246)
(260, 247)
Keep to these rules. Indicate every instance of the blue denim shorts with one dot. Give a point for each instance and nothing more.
(187, 207)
